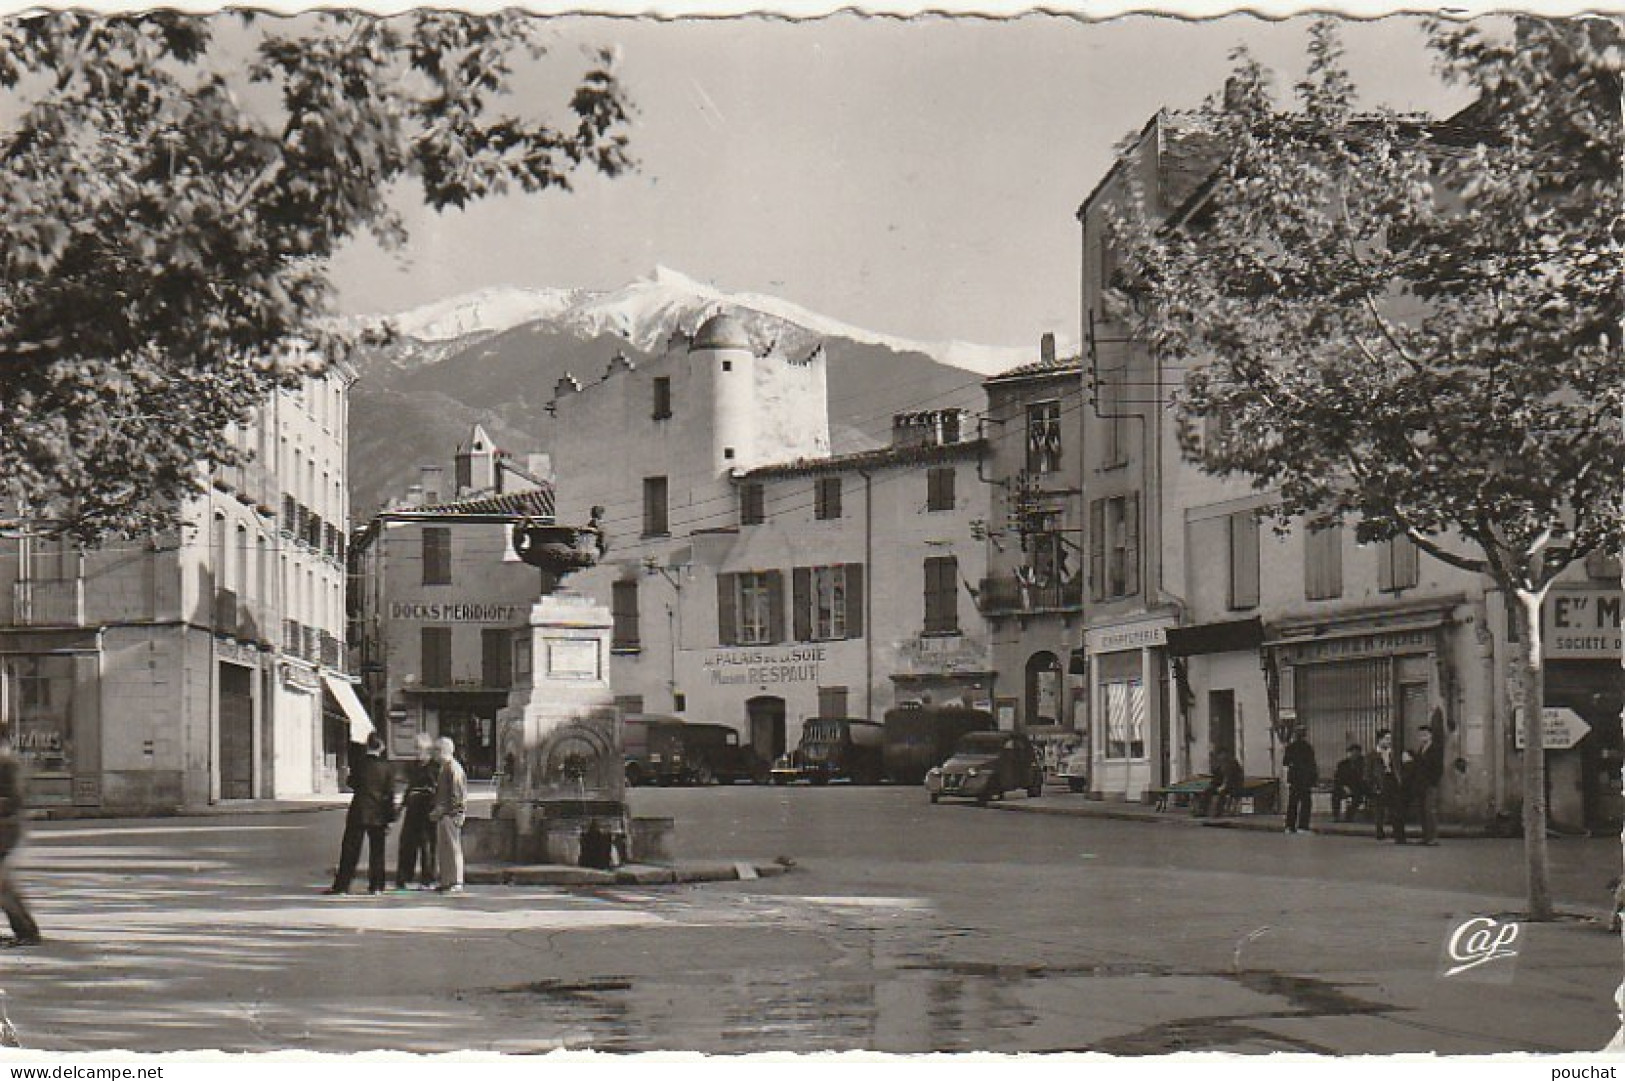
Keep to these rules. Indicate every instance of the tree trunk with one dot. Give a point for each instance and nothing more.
(1532, 692)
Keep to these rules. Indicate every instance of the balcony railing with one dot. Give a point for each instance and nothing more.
(1005, 594)
(49, 602)
(332, 651)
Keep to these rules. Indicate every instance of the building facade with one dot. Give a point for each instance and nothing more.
(436, 597)
(1032, 597)
(1210, 631)
(202, 665)
(755, 580)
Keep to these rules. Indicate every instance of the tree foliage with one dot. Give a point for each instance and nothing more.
(1414, 324)
(170, 209)
(1410, 323)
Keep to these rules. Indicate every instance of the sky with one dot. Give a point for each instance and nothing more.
(915, 177)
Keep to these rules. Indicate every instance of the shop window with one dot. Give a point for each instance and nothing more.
(1043, 689)
(1243, 579)
(827, 498)
(939, 489)
(37, 709)
(655, 520)
(1123, 704)
(1323, 564)
(942, 595)
(436, 656)
(624, 635)
(436, 556)
(827, 602)
(1397, 565)
(1043, 438)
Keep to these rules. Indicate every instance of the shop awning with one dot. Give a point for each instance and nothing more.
(1233, 636)
(361, 725)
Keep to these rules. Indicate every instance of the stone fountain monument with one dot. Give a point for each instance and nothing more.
(561, 797)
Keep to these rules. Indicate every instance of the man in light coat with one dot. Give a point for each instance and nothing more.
(450, 804)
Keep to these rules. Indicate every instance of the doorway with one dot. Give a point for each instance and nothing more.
(1221, 724)
(236, 732)
(766, 716)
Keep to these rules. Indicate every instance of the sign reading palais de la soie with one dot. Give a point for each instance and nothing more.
(799, 664)
(474, 612)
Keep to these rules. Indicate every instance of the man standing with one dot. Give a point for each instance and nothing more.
(372, 809)
(1429, 775)
(1349, 785)
(1302, 774)
(415, 857)
(450, 798)
(24, 931)
(1387, 787)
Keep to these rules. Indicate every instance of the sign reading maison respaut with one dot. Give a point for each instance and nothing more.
(1581, 623)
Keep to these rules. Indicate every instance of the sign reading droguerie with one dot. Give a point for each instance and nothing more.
(1581, 623)
(473, 612)
(760, 666)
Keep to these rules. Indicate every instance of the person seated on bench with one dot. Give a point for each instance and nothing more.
(1228, 785)
(1348, 785)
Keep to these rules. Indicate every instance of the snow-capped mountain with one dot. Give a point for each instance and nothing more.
(645, 312)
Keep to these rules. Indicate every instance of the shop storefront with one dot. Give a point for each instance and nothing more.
(1583, 675)
(1130, 693)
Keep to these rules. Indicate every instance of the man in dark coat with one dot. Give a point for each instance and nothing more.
(1302, 774)
(1386, 781)
(372, 809)
(1428, 775)
(25, 932)
(1349, 790)
(417, 832)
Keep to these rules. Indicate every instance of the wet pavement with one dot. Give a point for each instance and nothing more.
(903, 927)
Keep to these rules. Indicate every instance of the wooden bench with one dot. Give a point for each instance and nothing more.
(1263, 791)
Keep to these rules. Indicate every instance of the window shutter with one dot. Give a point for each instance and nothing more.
(1243, 560)
(1385, 567)
(930, 573)
(1406, 563)
(1131, 545)
(948, 594)
(727, 610)
(1097, 549)
(801, 603)
(775, 607)
(834, 500)
(854, 600)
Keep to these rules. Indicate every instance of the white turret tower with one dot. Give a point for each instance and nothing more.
(720, 357)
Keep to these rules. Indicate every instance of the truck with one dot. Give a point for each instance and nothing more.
(713, 753)
(652, 746)
(837, 749)
(920, 738)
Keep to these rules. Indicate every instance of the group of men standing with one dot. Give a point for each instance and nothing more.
(435, 805)
(1396, 785)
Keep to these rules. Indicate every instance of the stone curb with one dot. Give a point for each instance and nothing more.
(200, 810)
(630, 875)
(1253, 823)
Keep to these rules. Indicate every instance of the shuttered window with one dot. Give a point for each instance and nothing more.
(436, 556)
(624, 634)
(1243, 592)
(496, 657)
(1323, 564)
(752, 504)
(832, 702)
(942, 595)
(750, 608)
(939, 489)
(826, 603)
(655, 521)
(1397, 565)
(1114, 547)
(827, 498)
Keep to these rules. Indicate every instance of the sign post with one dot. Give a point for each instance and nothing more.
(1561, 728)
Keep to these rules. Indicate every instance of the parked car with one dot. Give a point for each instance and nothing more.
(839, 748)
(918, 738)
(652, 746)
(986, 765)
(1075, 770)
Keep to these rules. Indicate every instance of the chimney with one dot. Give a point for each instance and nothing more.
(1046, 348)
(414, 496)
(431, 479)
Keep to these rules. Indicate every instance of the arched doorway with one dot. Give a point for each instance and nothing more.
(1043, 700)
(766, 716)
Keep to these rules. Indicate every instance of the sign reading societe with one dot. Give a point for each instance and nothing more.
(1581, 623)
(456, 613)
